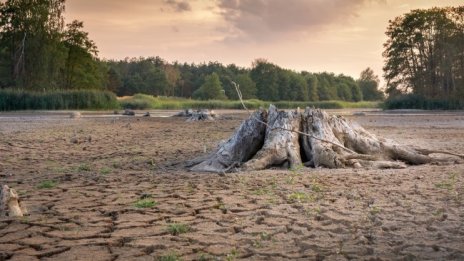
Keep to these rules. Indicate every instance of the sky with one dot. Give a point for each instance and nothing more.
(340, 36)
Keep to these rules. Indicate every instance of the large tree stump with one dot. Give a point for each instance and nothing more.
(312, 138)
(10, 204)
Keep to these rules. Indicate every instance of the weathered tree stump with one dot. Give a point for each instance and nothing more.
(10, 204)
(128, 112)
(312, 138)
(198, 115)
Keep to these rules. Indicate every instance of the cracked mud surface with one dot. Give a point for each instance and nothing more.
(112, 189)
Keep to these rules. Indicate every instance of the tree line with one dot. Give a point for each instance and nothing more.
(213, 80)
(424, 55)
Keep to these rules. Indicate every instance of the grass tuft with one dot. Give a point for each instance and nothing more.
(170, 257)
(47, 184)
(145, 203)
(178, 228)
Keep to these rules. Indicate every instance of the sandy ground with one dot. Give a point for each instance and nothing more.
(114, 188)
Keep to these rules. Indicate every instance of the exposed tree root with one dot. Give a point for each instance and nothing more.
(312, 138)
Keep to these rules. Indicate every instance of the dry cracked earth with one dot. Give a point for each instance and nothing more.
(114, 188)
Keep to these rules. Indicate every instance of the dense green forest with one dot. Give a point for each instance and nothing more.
(425, 59)
(39, 52)
(264, 80)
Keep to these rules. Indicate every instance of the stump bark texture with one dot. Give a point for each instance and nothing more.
(311, 138)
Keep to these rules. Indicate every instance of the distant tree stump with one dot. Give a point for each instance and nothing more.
(312, 138)
(10, 204)
(75, 115)
(198, 115)
(128, 112)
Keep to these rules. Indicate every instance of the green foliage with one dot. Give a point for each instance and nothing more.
(369, 84)
(210, 89)
(424, 54)
(299, 197)
(247, 87)
(84, 167)
(31, 44)
(145, 203)
(311, 83)
(413, 101)
(105, 171)
(170, 257)
(81, 70)
(139, 102)
(142, 101)
(178, 228)
(232, 255)
(47, 184)
(38, 53)
(12, 99)
(265, 75)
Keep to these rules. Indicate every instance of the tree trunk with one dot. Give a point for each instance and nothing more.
(312, 138)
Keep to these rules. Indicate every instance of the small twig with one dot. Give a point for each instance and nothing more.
(239, 93)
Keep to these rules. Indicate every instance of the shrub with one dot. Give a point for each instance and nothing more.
(177, 229)
(13, 99)
(142, 101)
(47, 184)
(414, 101)
(145, 203)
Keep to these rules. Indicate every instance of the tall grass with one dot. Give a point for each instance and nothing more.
(142, 101)
(11, 99)
(413, 101)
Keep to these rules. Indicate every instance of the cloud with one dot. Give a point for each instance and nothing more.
(264, 19)
(179, 6)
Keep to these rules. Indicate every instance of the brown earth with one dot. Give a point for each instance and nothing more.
(82, 181)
